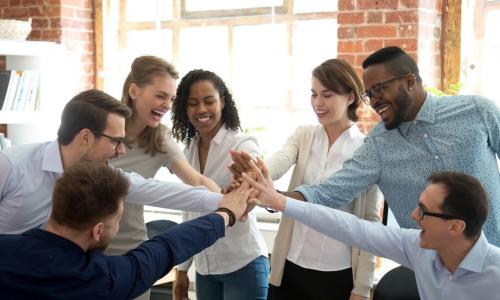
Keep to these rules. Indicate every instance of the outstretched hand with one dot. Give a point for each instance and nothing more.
(237, 200)
(267, 196)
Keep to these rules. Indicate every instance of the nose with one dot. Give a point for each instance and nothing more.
(201, 108)
(415, 216)
(121, 150)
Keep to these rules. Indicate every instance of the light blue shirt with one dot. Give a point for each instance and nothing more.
(29, 173)
(456, 133)
(477, 277)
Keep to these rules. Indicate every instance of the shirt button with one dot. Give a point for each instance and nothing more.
(450, 277)
(425, 134)
(436, 157)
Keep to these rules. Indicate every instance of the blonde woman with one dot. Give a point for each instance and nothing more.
(149, 91)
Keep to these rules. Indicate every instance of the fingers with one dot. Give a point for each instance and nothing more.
(263, 167)
(240, 160)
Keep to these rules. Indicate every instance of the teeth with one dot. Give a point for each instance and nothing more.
(158, 112)
(381, 110)
(204, 119)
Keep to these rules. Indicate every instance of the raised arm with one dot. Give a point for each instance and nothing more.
(136, 271)
(182, 169)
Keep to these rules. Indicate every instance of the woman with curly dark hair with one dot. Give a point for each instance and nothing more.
(205, 118)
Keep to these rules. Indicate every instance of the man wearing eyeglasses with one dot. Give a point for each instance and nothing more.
(92, 129)
(450, 255)
(419, 134)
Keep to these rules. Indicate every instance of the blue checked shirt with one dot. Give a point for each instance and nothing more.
(456, 133)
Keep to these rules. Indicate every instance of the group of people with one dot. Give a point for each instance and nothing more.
(61, 204)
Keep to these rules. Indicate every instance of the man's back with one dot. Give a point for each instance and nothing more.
(41, 263)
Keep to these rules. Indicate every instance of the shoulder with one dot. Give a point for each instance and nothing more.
(24, 154)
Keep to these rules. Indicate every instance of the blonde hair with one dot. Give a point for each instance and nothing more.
(142, 72)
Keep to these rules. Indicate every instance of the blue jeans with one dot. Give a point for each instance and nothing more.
(249, 282)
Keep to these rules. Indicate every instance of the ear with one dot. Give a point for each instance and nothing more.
(412, 81)
(86, 137)
(97, 231)
(132, 90)
(350, 100)
(222, 103)
(457, 227)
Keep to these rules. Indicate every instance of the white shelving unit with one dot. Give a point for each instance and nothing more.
(48, 59)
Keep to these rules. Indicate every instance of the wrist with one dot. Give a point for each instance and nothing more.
(227, 214)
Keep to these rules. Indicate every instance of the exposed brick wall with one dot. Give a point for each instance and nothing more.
(368, 25)
(69, 22)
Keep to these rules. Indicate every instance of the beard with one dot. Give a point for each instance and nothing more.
(401, 105)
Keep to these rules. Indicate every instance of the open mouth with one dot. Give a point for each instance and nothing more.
(382, 110)
(203, 119)
(321, 113)
(157, 113)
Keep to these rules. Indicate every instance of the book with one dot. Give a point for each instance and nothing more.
(12, 90)
(4, 85)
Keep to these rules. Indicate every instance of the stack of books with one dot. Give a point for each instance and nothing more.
(18, 90)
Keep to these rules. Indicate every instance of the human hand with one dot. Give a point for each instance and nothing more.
(237, 200)
(240, 163)
(357, 297)
(181, 286)
(267, 195)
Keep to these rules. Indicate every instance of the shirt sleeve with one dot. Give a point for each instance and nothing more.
(490, 113)
(173, 152)
(136, 271)
(170, 195)
(281, 161)
(357, 174)
(391, 242)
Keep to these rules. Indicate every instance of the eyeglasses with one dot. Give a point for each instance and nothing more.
(116, 140)
(422, 213)
(377, 90)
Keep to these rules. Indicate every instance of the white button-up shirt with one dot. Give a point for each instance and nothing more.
(309, 248)
(243, 242)
(28, 174)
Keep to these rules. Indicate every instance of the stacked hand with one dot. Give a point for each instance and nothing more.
(246, 169)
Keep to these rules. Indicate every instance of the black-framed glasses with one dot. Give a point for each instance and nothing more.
(116, 140)
(422, 213)
(378, 90)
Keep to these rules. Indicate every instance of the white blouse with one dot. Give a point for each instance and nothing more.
(309, 248)
(243, 242)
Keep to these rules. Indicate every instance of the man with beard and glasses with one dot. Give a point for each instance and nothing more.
(419, 134)
(65, 261)
(92, 129)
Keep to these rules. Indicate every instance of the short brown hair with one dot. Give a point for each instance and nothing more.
(142, 71)
(466, 199)
(89, 109)
(86, 194)
(338, 76)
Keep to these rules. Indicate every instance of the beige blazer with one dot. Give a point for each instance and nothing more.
(296, 152)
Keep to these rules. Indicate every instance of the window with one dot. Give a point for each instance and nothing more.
(265, 50)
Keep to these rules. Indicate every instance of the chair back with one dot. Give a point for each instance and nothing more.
(397, 284)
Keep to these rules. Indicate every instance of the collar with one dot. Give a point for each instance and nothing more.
(52, 160)
(53, 239)
(221, 135)
(352, 132)
(474, 260)
(427, 113)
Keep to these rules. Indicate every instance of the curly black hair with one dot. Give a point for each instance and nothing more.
(182, 129)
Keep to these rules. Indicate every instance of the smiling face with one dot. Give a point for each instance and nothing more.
(204, 108)
(435, 233)
(153, 100)
(104, 148)
(395, 104)
(330, 107)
